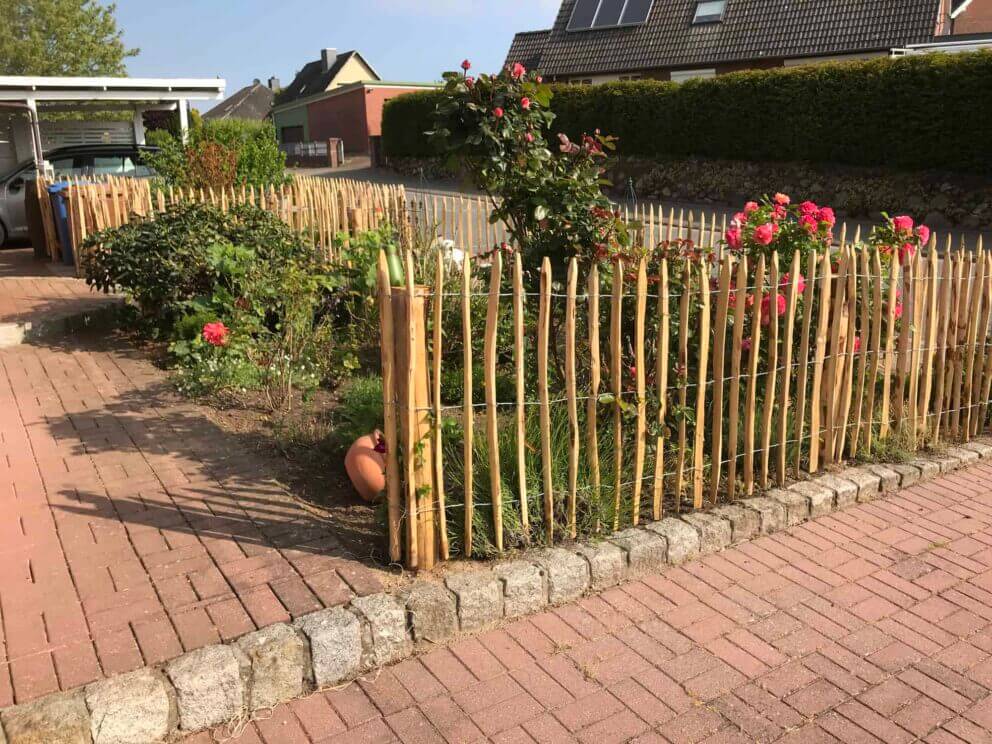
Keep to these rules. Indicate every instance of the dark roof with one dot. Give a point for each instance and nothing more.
(313, 79)
(251, 102)
(750, 29)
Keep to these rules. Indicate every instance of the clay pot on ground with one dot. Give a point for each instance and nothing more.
(366, 466)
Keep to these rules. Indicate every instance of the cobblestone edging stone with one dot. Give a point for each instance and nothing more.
(216, 684)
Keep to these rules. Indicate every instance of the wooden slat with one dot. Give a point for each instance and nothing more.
(492, 432)
(753, 356)
(961, 337)
(771, 374)
(640, 377)
(519, 358)
(592, 403)
(740, 303)
(847, 380)
(683, 366)
(616, 386)
(661, 375)
(802, 378)
(387, 349)
(438, 302)
(719, 366)
(788, 334)
(822, 325)
(884, 424)
(700, 423)
(834, 363)
(859, 383)
(571, 395)
(543, 333)
(468, 412)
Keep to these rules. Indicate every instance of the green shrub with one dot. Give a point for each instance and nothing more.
(359, 410)
(921, 111)
(252, 144)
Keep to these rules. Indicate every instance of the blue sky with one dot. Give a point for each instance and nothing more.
(410, 40)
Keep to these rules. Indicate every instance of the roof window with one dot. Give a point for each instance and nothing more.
(709, 11)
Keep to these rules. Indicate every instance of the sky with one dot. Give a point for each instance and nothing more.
(404, 40)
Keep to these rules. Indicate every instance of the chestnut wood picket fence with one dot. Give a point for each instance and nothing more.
(869, 351)
(320, 208)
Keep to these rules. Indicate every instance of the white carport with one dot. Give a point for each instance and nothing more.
(34, 96)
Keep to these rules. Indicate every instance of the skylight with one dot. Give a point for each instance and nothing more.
(709, 11)
(596, 14)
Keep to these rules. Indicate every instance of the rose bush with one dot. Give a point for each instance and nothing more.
(901, 236)
(776, 224)
(545, 187)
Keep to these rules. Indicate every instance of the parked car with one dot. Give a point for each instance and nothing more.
(79, 160)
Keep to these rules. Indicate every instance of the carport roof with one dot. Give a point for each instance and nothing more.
(155, 90)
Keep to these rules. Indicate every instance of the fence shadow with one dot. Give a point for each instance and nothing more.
(165, 464)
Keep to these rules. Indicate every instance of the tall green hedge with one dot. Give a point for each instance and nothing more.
(923, 111)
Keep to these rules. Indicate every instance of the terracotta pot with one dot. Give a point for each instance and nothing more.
(366, 467)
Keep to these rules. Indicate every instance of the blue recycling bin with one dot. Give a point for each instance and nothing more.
(60, 210)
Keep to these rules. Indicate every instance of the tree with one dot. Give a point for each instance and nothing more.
(61, 37)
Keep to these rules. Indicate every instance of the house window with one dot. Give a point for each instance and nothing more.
(709, 11)
(680, 76)
(625, 78)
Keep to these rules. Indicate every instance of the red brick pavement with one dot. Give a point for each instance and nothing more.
(133, 529)
(33, 291)
(870, 625)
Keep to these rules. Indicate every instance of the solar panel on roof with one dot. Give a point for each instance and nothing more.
(583, 14)
(609, 13)
(589, 14)
(636, 11)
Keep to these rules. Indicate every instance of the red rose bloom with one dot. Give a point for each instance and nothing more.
(466, 65)
(215, 333)
(498, 112)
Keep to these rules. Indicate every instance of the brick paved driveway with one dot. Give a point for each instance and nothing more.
(132, 529)
(870, 625)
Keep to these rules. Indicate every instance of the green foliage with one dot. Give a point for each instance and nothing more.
(920, 111)
(250, 146)
(61, 37)
(547, 189)
(359, 410)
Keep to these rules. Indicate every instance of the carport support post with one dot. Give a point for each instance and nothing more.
(183, 119)
(139, 126)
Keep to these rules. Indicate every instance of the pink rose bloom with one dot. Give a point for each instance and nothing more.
(518, 70)
(740, 218)
(800, 282)
(903, 223)
(923, 233)
(751, 207)
(808, 207)
(734, 238)
(781, 199)
(498, 112)
(778, 212)
(215, 333)
(906, 252)
(764, 234)
(826, 214)
(469, 82)
(466, 65)
(540, 79)
(746, 344)
(857, 344)
(766, 303)
(809, 222)
(897, 311)
(525, 103)
(529, 137)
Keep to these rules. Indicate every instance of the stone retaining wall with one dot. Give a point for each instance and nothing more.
(216, 684)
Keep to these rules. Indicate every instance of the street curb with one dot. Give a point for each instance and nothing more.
(216, 684)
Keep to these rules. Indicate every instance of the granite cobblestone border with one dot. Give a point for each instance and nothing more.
(227, 682)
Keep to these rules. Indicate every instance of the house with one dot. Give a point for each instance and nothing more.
(251, 102)
(595, 41)
(338, 96)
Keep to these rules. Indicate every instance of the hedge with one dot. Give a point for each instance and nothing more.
(920, 112)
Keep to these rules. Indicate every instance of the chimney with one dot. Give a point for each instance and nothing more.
(327, 58)
(274, 83)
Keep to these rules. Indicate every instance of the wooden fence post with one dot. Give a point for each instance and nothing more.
(410, 335)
